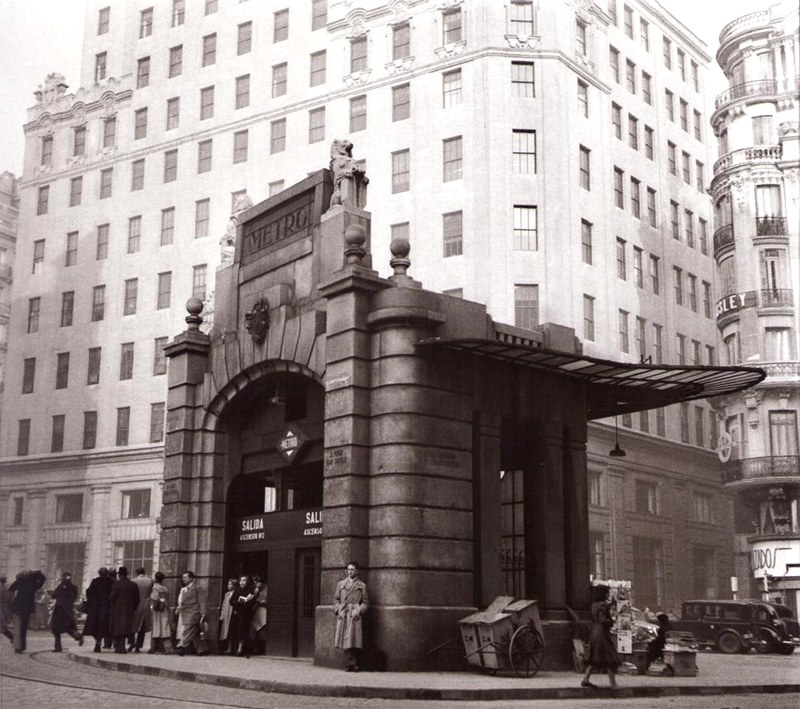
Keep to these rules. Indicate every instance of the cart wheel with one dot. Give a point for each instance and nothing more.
(526, 650)
(491, 671)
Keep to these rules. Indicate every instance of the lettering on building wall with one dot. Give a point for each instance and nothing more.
(336, 460)
(337, 383)
(444, 458)
(171, 491)
(313, 524)
(290, 220)
(765, 560)
(735, 302)
(252, 529)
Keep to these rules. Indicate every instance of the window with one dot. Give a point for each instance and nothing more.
(241, 141)
(133, 555)
(175, 61)
(648, 142)
(684, 421)
(69, 508)
(630, 77)
(136, 503)
(586, 241)
(202, 209)
(677, 273)
(146, 23)
(204, 155)
(622, 259)
(42, 200)
(583, 98)
(401, 41)
(159, 358)
(667, 49)
(581, 39)
(641, 338)
(102, 242)
(199, 281)
(612, 11)
(633, 132)
(697, 357)
(655, 275)
(62, 370)
(109, 132)
(628, 13)
(401, 171)
(143, 73)
(211, 6)
(34, 305)
(526, 306)
(100, 61)
(613, 62)
(23, 436)
(675, 220)
(319, 14)
(244, 40)
(102, 20)
(619, 193)
(206, 103)
(707, 299)
(281, 26)
(684, 115)
(658, 346)
(451, 88)
(123, 425)
(698, 126)
(126, 361)
(401, 104)
(451, 24)
(783, 433)
(762, 130)
(638, 267)
(644, 34)
(171, 165)
(672, 159)
(140, 124)
(525, 228)
(89, 429)
(688, 219)
(137, 175)
(164, 290)
(67, 307)
(47, 150)
(681, 64)
(173, 114)
(209, 49)
(279, 78)
(242, 91)
(524, 151)
(275, 187)
(624, 335)
(134, 234)
(588, 317)
(616, 120)
(28, 375)
(522, 80)
(700, 176)
(17, 515)
(647, 88)
(38, 256)
(106, 182)
(452, 159)
(452, 234)
(93, 367)
(277, 138)
(316, 125)
(732, 349)
(669, 102)
(318, 66)
(648, 570)
(522, 18)
(651, 207)
(584, 168)
(79, 141)
(358, 55)
(131, 294)
(646, 497)
(157, 422)
(71, 255)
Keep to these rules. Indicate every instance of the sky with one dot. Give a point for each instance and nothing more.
(38, 37)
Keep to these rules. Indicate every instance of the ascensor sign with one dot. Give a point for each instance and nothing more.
(774, 557)
(291, 525)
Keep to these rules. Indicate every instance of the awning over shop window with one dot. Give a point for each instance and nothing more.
(613, 388)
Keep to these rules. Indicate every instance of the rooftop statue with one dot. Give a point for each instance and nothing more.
(349, 180)
(228, 241)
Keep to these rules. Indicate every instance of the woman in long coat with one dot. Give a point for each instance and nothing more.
(63, 620)
(159, 614)
(124, 601)
(98, 616)
(601, 654)
(225, 614)
(349, 604)
(242, 602)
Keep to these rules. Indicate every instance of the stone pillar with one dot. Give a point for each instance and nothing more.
(35, 518)
(98, 532)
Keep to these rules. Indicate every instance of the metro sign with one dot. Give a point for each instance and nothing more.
(291, 442)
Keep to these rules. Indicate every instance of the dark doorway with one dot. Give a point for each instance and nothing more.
(307, 575)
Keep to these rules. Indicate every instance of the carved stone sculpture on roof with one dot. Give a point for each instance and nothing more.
(349, 180)
(54, 88)
(228, 241)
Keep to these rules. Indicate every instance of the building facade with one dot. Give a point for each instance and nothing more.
(9, 214)
(546, 159)
(755, 189)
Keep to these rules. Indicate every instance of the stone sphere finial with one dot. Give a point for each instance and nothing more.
(194, 306)
(400, 248)
(355, 236)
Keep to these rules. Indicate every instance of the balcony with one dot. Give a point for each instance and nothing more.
(771, 226)
(6, 271)
(756, 153)
(775, 298)
(767, 298)
(781, 370)
(756, 469)
(752, 21)
(723, 237)
(749, 89)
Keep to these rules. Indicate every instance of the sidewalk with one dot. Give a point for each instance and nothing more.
(717, 674)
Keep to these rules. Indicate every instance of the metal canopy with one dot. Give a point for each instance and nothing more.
(614, 387)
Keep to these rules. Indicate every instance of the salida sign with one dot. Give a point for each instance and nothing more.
(280, 526)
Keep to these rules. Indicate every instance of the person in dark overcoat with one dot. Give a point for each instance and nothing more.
(5, 611)
(23, 603)
(98, 616)
(655, 648)
(141, 620)
(243, 600)
(601, 654)
(63, 618)
(349, 605)
(124, 601)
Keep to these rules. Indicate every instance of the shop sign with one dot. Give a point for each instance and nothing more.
(774, 557)
(291, 442)
(292, 525)
(735, 302)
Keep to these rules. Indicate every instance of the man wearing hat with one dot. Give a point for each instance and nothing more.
(124, 601)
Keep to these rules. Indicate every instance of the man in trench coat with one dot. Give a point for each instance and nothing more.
(349, 604)
(124, 600)
(192, 613)
(141, 619)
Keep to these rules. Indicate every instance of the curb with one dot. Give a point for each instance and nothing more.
(412, 693)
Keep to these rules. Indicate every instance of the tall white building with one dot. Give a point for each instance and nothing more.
(9, 212)
(756, 192)
(547, 158)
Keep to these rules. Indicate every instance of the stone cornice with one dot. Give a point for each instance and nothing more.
(81, 460)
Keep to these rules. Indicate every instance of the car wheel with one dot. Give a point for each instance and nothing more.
(729, 643)
(766, 643)
(786, 649)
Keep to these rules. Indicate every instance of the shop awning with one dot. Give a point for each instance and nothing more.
(613, 388)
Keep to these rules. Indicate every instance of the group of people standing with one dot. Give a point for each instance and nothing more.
(243, 617)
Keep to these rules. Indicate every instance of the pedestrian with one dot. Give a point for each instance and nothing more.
(655, 648)
(22, 605)
(159, 614)
(63, 618)
(601, 654)
(5, 611)
(243, 600)
(141, 619)
(258, 623)
(98, 614)
(192, 612)
(124, 602)
(225, 613)
(349, 604)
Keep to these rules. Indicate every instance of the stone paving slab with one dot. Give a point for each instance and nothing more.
(717, 674)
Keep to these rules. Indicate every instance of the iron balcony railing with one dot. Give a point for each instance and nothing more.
(757, 468)
(769, 153)
(776, 298)
(723, 236)
(760, 87)
(771, 226)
